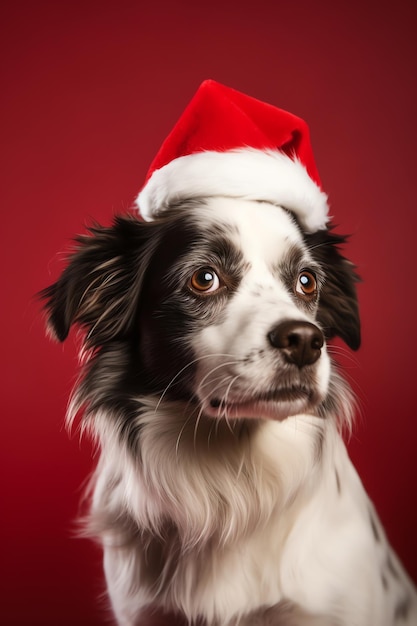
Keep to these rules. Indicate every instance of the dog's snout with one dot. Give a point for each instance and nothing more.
(300, 342)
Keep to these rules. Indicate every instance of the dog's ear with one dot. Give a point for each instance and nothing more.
(338, 311)
(99, 288)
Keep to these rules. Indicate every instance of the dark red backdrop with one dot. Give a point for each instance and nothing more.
(89, 90)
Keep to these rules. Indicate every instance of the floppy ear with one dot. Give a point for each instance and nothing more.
(99, 288)
(338, 311)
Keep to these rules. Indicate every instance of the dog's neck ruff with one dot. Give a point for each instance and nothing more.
(250, 174)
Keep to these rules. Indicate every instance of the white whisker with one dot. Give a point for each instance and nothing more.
(224, 401)
(197, 422)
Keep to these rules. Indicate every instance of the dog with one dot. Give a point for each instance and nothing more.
(224, 495)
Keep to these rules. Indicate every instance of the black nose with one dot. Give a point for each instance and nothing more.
(300, 342)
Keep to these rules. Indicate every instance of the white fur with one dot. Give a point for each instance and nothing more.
(289, 536)
(273, 517)
(246, 173)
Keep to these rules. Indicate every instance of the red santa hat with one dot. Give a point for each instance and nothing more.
(229, 144)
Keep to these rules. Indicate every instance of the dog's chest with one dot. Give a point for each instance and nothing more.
(297, 529)
(232, 522)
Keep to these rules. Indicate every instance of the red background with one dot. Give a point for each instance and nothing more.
(89, 91)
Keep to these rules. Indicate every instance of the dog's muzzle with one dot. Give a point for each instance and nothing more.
(274, 384)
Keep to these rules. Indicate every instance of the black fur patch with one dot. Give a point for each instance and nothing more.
(99, 289)
(170, 313)
(338, 311)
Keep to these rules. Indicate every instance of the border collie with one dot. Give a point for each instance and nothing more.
(224, 494)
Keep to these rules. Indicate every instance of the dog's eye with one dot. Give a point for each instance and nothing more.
(306, 284)
(204, 280)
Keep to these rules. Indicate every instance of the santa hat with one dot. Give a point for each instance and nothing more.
(229, 144)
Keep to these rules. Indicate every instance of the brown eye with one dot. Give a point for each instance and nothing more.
(205, 280)
(306, 284)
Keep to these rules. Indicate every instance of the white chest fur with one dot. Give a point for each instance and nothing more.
(260, 517)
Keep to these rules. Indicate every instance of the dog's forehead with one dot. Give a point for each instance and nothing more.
(259, 229)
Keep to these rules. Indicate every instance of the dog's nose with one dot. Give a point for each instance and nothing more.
(300, 342)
